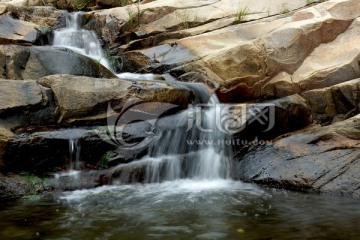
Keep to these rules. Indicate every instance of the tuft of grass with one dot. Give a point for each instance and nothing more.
(285, 9)
(105, 160)
(241, 14)
(132, 19)
(186, 21)
(122, 3)
(81, 4)
(309, 1)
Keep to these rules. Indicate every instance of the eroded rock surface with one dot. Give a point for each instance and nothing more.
(319, 159)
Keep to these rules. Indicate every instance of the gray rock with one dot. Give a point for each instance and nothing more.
(31, 63)
(316, 159)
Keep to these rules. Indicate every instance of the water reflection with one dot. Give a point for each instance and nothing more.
(185, 209)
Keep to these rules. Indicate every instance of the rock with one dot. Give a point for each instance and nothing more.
(44, 17)
(245, 68)
(79, 97)
(68, 182)
(14, 31)
(341, 100)
(159, 24)
(5, 136)
(13, 187)
(162, 16)
(21, 62)
(279, 86)
(247, 60)
(321, 70)
(75, 5)
(24, 103)
(270, 119)
(48, 152)
(316, 159)
(14, 95)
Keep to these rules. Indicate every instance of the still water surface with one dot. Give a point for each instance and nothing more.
(183, 209)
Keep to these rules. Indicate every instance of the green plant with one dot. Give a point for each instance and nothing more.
(134, 17)
(81, 4)
(186, 21)
(35, 183)
(241, 14)
(309, 1)
(285, 8)
(105, 160)
(122, 3)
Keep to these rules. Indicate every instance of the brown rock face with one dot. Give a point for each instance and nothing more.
(5, 136)
(17, 31)
(24, 103)
(18, 62)
(334, 103)
(84, 96)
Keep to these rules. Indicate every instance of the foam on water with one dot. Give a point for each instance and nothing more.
(80, 40)
(181, 190)
(136, 76)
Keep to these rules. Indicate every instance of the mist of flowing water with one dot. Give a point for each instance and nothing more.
(171, 158)
(74, 150)
(80, 40)
(188, 146)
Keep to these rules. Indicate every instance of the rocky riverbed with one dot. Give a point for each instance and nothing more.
(300, 56)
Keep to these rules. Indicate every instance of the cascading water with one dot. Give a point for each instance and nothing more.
(194, 149)
(74, 151)
(79, 40)
(194, 153)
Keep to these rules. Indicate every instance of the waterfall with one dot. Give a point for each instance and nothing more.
(197, 152)
(74, 152)
(79, 40)
(190, 145)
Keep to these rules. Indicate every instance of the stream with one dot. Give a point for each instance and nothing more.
(185, 209)
(187, 193)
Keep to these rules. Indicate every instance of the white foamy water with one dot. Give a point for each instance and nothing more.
(79, 40)
(137, 76)
(183, 190)
(171, 158)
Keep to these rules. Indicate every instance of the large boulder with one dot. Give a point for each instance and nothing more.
(45, 18)
(19, 62)
(14, 31)
(159, 24)
(25, 103)
(334, 103)
(245, 69)
(82, 97)
(150, 18)
(270, 119)
(15, 95)
(316, 159)
(49, 151)
(13, 187)
(331, 63)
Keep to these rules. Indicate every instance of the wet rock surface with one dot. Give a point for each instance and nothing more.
(13, 187)
(32, 63)
(83, 96)
(318, 159)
